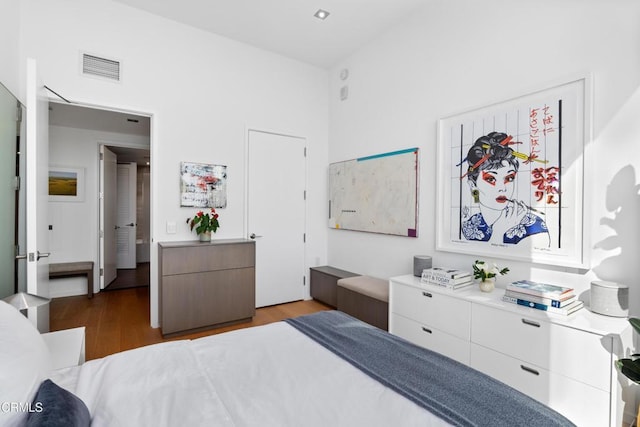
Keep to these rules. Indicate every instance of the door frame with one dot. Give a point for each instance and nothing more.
(36, 194)
(246, 231)
(106, 143)
(153, 285)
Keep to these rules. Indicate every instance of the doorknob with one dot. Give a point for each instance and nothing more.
(130, 224)
(254, 236)
(21, 256)
(43, 255)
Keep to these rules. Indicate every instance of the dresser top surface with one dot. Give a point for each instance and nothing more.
(196, 243)
(583, 319)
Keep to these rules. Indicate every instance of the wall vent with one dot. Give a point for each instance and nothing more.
(101, 67)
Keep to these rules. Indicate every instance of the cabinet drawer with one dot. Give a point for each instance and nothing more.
(196, 300)
(572, 353)
(581, 403)
(206, 257)
(431, 338)
(448, 314)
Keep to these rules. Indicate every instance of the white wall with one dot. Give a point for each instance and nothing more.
(202, 91)
(457, 55)
(10, 47)
(74, 234)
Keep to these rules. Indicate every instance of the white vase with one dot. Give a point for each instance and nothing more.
(488, 284)
(205, 236)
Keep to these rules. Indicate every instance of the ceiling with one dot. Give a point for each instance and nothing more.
(288, 27)
(75, 116)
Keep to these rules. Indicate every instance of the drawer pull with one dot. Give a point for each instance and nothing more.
(427, 294)
(530, 370)
(427, 330)
(531, 323)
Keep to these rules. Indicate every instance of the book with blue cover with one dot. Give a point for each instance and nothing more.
(566, 299)
(544, 290)
(566, 310)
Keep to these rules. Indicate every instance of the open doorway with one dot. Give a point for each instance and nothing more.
(128, 247)
(76, 135)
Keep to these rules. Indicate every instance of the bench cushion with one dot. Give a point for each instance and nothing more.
(70, 267)
(366, 285)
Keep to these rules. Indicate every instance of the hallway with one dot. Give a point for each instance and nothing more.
(131, 278)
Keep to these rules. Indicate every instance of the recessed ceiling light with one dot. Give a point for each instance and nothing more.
(321, 14)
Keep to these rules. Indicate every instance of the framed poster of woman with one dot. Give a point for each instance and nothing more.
(511, 178)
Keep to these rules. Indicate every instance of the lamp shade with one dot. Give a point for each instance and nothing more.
(23, 300)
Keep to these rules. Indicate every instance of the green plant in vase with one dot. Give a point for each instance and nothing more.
(204, 224)
(630, 367)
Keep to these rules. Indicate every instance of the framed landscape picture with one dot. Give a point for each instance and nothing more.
(66, 184)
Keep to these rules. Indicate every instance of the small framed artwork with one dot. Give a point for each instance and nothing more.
(66, 184)
(511, 177)
(203, 185)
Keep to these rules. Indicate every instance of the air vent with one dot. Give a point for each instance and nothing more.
(101, 67)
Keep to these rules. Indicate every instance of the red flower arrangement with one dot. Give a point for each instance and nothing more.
(204, 221)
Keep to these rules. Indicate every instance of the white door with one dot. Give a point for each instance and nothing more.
(126, 222)
(276, 215)
(108, 205)
(37, 194)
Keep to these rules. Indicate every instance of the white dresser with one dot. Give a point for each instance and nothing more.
(564, 362)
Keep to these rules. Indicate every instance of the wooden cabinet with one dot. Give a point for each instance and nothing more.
(565, 362)
(205, 284)
(324, 283)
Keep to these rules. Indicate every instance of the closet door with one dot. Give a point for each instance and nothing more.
(276, 215)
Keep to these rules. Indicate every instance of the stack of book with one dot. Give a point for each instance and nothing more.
(448, 278)
(543, 296)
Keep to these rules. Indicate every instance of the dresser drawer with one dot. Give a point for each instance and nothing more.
(560, 349)
(434, 310)
(581, 403)
(431, 338)
(206, 257)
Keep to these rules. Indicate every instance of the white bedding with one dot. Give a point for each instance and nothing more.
(269, 375)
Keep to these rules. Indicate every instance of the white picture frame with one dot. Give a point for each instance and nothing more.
(547, 131)
(66, 184)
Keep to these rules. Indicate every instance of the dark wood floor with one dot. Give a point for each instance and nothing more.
(120, 320)
(131, 278)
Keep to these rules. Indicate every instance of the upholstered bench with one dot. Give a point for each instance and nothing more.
(365, 298)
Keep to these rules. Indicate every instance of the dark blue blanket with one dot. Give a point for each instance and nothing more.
(451, 390)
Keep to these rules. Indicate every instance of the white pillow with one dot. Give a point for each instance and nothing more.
(25, 362)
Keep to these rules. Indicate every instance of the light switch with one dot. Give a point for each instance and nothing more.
(171, 227)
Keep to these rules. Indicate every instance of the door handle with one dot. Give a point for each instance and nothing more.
(21, 256)
(130, 225)
(254, 236)
(43, 255)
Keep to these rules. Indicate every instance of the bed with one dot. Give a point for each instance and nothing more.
(324, 369)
